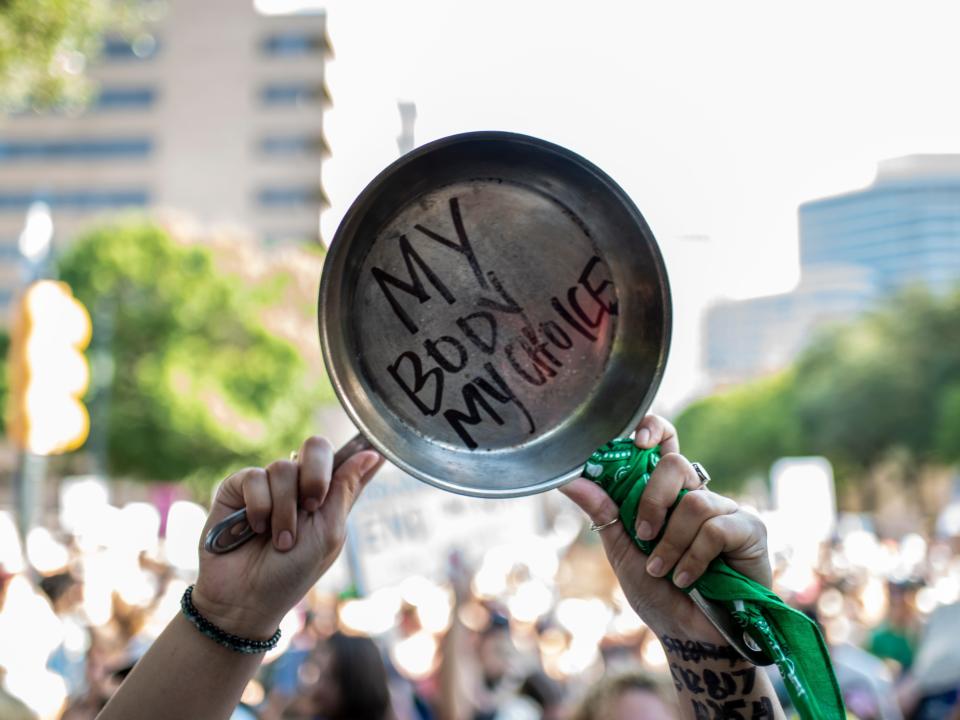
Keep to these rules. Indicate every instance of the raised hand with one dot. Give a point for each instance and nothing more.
(299, 512)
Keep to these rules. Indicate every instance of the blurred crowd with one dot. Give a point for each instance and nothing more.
(525, 633)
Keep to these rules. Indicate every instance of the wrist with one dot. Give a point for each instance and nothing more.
(237, 619)
(712, 679)
(683, 648)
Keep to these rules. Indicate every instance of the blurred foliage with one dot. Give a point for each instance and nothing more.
(886, 383)
(739, 434)
(46, 45)
(187, 381)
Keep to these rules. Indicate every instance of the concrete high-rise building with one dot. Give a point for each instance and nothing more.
(757, 337)
(215, 111)
(855, 248)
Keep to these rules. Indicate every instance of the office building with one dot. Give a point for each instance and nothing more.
(214, 111)
(905, 227)
(855, 248)
(757, 337)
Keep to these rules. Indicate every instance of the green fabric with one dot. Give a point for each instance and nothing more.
(788, 636)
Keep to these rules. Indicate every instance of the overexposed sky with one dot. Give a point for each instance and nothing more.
(717, 118)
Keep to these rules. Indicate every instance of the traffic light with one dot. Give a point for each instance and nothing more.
(49, 372)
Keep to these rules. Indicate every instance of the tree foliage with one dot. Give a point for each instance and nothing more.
(739, 434)
(888, 382)
(187, 380)
(45, 46)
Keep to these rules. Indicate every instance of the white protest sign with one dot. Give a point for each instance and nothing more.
(402, 527)
(805, 501)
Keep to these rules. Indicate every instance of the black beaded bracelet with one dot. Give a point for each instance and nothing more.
(221, 636)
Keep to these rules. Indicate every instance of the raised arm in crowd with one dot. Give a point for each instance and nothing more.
(299, 511)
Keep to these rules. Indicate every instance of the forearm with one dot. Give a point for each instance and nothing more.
(184, 674)
(713, 681)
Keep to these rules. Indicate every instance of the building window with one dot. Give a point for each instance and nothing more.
(143, 47)
(292, 44)
(85, 149)
(78, 200)
(130, 98)
(285, 197)
(288, 145)
(292, 93)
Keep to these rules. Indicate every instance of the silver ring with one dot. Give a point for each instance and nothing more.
(701, 473)
(597, 528)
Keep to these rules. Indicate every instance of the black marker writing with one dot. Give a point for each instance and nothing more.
(414, 286)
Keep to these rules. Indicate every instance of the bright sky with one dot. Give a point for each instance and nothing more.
(718, 119)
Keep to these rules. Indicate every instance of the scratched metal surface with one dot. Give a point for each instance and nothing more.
(493, 308)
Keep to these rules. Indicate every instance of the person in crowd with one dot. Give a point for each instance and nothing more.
(627, 696)
(286, 671)
(896, 638)
(932, 688)
(203, 660)
(351, 681)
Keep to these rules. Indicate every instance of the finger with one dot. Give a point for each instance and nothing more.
(256, 497)
(654, 430)
(230, 495)
(592, 499)
(601, 509)
(672, 474)
(316, 461)
(346, 484)
(282, 477)
(719, 534)
(694, 509)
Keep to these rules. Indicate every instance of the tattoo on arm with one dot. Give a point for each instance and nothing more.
(716, 693)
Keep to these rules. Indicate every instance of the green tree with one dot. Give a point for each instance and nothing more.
(739, 433)
(187, 380)
(878, 384)
(886, 385)
(45, 46)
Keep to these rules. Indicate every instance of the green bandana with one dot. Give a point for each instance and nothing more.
(787, 636)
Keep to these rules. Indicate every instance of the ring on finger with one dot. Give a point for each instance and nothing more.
(597, 528)
(701, 473)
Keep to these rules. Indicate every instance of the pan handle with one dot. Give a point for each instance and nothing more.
(234, 530)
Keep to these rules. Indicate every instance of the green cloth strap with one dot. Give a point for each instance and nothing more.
(788, 636)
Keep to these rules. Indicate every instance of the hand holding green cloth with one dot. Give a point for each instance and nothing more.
(787, 636)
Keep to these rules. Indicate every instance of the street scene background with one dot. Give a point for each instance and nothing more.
(170, 175)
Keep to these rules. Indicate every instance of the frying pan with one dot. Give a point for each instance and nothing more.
(492, 309)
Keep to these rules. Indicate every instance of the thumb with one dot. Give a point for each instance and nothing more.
(347, 483)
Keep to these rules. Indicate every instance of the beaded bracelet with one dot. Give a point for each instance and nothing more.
(221, 636)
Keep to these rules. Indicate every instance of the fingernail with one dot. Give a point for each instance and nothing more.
(285, 540)
(644, 531)
(655, 566)
(643, 437)
(311, 505)
(259, 527)
(681, 579)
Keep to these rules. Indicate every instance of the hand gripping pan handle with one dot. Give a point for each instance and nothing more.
(234, 530)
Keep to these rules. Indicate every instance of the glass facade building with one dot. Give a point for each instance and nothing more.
(905, 228)
(855, 248)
